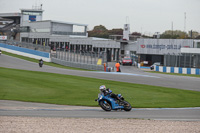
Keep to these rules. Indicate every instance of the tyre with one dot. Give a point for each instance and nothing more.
(105, 105)
(40, 64)
(127, 106)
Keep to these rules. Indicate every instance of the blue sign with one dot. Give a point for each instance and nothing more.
(32, 18)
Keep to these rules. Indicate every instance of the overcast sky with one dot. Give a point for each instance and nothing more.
(146, 16)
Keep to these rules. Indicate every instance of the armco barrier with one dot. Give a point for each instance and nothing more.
(180, 70)
(25, 52)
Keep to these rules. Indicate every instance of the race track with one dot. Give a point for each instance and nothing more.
(16, 108)
(131, 75)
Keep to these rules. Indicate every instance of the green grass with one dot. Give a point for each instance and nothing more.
(52, 88)
(177, 74)
(46, 63)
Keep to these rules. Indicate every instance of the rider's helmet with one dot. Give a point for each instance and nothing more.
(102, 88)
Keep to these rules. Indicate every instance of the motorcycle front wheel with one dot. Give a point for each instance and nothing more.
(105, 105)
(40, 65)
(127, 106)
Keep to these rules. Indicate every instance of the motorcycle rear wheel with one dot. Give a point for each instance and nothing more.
(105, 105)
(127, 106)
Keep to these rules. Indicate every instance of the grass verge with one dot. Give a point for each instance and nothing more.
(177, 74)
(46, 63)
(52, 88)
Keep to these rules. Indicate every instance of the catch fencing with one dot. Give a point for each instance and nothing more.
(79, 59)
(185, 60)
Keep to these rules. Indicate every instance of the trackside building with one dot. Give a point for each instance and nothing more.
(56, 34)
(169, 52)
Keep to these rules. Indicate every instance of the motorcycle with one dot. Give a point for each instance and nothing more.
(108, 103)
(40, 62)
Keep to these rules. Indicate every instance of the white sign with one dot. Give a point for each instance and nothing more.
(3, 37)
(162, 46)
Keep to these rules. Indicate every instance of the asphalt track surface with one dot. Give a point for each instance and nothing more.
(16, 108)
(129, 74)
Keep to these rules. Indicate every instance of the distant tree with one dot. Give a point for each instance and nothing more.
(136, 34)
(177, 34)
(116, 32)
(198, 37)
(102, 32)
(169, 36)
(99, 31)
(146, 36)
(100, 28)
(193, 34)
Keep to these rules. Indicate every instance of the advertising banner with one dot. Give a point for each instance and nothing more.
(162, 46)
(32, 18)
(3, 37)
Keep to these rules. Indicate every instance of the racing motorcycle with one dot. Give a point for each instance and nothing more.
(40, 62)
(108, 103)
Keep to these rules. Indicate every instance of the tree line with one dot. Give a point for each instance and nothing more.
(102, 32)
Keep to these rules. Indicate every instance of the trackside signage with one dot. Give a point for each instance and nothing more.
(3, 37)
(162, 46)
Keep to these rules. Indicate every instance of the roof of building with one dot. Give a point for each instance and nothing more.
(70, 23)
(5, 19)
(100, 39)
(6, 15)
(34, 10)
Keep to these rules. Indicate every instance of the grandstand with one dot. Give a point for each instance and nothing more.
(10, 24)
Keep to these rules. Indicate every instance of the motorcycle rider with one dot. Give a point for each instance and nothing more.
(107, 91)
(40, 62)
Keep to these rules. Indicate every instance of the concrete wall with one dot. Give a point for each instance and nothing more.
(86, 41)
(190, 50)
(40, 24)
(35, 35)
(62, 27)
(180, 70)
(26, 52)
(132, 46)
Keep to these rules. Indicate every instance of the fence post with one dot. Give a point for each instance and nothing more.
(190, 61)
(74, 54)
(198, 61)
(84, 57)
(184, 59)
(56, 53)
(59, 50)
(176, 61)
(91, 57)
(87, 58)
(64, 51)
(77, 55)
(95, 59)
